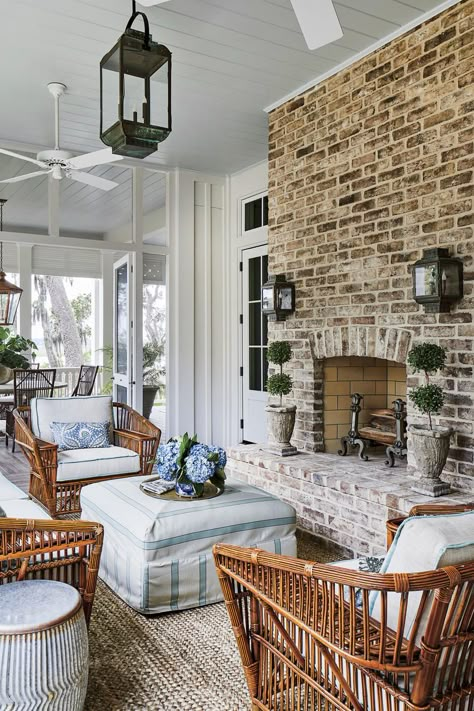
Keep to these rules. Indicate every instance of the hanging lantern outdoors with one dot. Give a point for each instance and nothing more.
(135, 92)
(10, 294)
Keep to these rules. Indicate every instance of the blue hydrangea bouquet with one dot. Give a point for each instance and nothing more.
(190, 464)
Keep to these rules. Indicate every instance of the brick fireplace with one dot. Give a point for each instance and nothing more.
(366, 170)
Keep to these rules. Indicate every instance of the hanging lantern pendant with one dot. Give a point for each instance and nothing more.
(135, 92)
(10, 294)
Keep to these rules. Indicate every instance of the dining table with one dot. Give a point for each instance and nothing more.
(8, 388)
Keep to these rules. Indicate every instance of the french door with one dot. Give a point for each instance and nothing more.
(254, 345)
(123, 348)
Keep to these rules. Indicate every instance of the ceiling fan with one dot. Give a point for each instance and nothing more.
(317, 18)
(63, 164)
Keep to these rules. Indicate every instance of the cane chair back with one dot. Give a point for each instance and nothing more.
(28, 384)
(308, 641)
(85, 381)
(67, 551)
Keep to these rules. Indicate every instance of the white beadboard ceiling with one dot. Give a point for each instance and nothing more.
(231, 59)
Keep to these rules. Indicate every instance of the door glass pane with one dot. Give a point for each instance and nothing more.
(253, 214)
(255, 324)
(265, 367)
(254, 279)
(255, 368)
(264, 269)
(121, 394)
(265, 211)
(121, 345)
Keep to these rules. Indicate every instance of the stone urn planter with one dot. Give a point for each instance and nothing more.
(430, 448)
(6, 374)
(281, 423)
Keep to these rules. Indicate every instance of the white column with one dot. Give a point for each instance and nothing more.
(137, 302)
(180, 375)
(25, 269)
(105, 310)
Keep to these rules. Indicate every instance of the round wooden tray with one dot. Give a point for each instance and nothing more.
(210, 492)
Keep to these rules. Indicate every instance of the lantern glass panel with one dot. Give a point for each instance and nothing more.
(111, 89)
(159, 97)
(268, 302)
(134, 100)
(426, 280)
(450, 280)
(285, 298)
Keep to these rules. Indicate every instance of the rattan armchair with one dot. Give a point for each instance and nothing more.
(68, 551)
(131, 431)
(307, 639)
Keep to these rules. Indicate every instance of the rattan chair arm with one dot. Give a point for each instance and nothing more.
(440, 509)
(137, 436)
(136, 422)
(323, 572)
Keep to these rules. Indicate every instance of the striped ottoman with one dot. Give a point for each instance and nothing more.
(157, 554)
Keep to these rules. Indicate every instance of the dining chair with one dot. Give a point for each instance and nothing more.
(85, 381)
(28, 384)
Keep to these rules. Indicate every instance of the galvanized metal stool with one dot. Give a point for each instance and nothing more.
(44, 651)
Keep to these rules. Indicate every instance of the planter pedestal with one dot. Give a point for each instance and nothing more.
(281, 423)
(430, 449)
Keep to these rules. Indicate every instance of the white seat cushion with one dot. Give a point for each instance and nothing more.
(23, 508)
(97, 408)
(9, 490)
(91, 463)
(425, 543)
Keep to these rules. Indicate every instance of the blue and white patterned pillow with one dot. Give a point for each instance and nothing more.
(81, 435)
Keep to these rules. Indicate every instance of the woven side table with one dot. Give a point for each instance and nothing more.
(44, 653)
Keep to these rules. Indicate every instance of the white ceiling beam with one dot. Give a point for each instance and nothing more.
(78, 243)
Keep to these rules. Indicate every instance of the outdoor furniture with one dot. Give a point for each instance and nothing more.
(48, 576)
(44, 650)
(158, 553)
(86, 380)
(315, 636)
(28, 384)
(57, 477)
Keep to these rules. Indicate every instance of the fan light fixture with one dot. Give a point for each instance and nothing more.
(135, 92)
(10, 294)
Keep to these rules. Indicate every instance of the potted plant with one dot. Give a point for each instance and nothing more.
(189, 465)
(12, 350)
(430, 442)
(281, 418)
(153, 374)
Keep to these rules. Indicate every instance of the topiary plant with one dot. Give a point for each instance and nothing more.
(428, 358)
(279, 353)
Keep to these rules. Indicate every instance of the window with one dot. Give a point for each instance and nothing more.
(63, 320)
(254, 213)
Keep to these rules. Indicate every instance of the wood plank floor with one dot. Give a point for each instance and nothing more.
(14, 466)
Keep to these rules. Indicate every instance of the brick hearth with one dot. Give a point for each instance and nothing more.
(340, 499)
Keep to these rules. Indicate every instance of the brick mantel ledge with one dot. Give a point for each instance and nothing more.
(340, 499)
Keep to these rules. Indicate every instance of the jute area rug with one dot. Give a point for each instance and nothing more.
(183, 661)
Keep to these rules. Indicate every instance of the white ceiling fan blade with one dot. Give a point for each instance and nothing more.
(21, 157)
(149, 3)
(18, 178)
(93, 180)
(87, 160)
(318, 21)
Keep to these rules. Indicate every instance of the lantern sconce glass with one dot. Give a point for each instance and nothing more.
(135, 92)
(278, 298)
(10, 294)
(437, 280)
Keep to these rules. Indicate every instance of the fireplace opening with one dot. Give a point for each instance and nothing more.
(379, 381)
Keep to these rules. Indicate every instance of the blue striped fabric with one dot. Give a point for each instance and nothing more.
(158, 554)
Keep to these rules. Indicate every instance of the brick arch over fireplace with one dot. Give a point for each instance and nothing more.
(366, 341)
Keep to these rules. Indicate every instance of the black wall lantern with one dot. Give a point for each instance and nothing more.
(135, 92)
(437, 280)
(278, 298)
